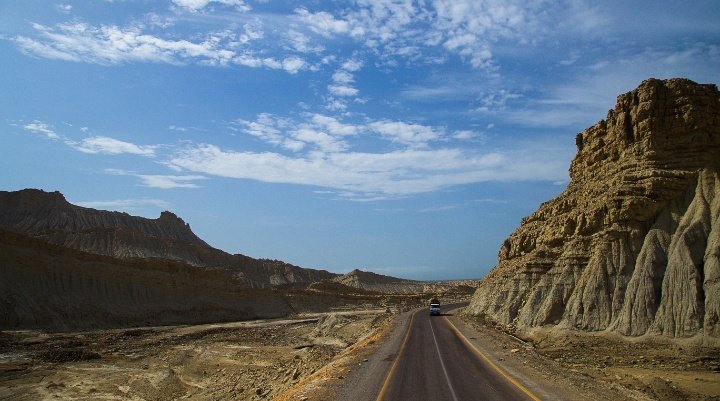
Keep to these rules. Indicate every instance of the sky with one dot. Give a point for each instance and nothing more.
(407, 138)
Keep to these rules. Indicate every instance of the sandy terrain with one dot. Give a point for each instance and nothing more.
(244, 361)
(595, 365)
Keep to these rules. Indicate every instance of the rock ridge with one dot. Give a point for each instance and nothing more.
(632, 244)
(50, 217)
(369, 281)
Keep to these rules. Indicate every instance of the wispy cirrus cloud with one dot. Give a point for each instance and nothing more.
(341, 87)
(64, 8)
(111, 146)
(160, 181)
(197, 5)
(98, 144)
(372, 176)
(320, 154)
(112, 44)
(328, 134)
(414, 135)
(170, 181)
(585, 99)
(39, 127)
(423, 31)
(126, 205)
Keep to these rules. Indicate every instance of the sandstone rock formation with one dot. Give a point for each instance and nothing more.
(633, 244)
(48, 216)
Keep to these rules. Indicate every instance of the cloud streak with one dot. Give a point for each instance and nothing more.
(111, 44)
(110, 146)
(39, 127)
(362, 176)
(127, 205)
(197, 5)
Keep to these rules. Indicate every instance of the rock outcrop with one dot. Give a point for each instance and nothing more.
(632, 245)
(48, 216)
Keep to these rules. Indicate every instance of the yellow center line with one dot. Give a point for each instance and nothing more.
(491, 363)
(385, 386)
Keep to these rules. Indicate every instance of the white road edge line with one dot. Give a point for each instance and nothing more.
(447, 377)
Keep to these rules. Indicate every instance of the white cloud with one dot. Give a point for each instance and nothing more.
(341, 86)
(323, 141)
(272, 130)
(125, 205)
(467, 134)
(581, 101)
(110, 146)
(293, 64)
(177, 128)
(160, 181)
(418, 31)
(438, 209)
(169, 181)
(302, 43)
(496, 101)
(342, 90)
(64, 8)
(335, 104)
(110, 44)
(196, 5)
(373, 175)
(41, 128)
(333, 125)
(414, 135)
(322, 22)
(342, 77)
(324, 132)
(352, 65)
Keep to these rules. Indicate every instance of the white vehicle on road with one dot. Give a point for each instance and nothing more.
(434, 307)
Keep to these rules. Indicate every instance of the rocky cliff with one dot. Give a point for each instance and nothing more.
(48, 216)
(632, 245)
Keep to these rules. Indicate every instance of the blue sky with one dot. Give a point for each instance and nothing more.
(407, 138)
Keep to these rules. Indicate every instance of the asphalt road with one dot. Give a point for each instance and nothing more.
(437, 363)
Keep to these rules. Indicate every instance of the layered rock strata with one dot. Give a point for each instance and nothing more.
(48, 216)
(633, 244)
(45, 286)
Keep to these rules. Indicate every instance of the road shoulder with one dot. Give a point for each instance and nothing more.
(357, 373)
(543, 376)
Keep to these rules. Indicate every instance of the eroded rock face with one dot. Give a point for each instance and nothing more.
(632, 244)
(48, 216)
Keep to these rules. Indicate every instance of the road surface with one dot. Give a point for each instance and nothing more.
(436, 362)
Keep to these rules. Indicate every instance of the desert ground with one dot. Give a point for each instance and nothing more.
(233, 361)
(313, 356)
(621, 368)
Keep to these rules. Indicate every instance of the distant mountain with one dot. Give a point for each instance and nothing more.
(369, 281)
(48, 216)
(46, 286)
(632, 246)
